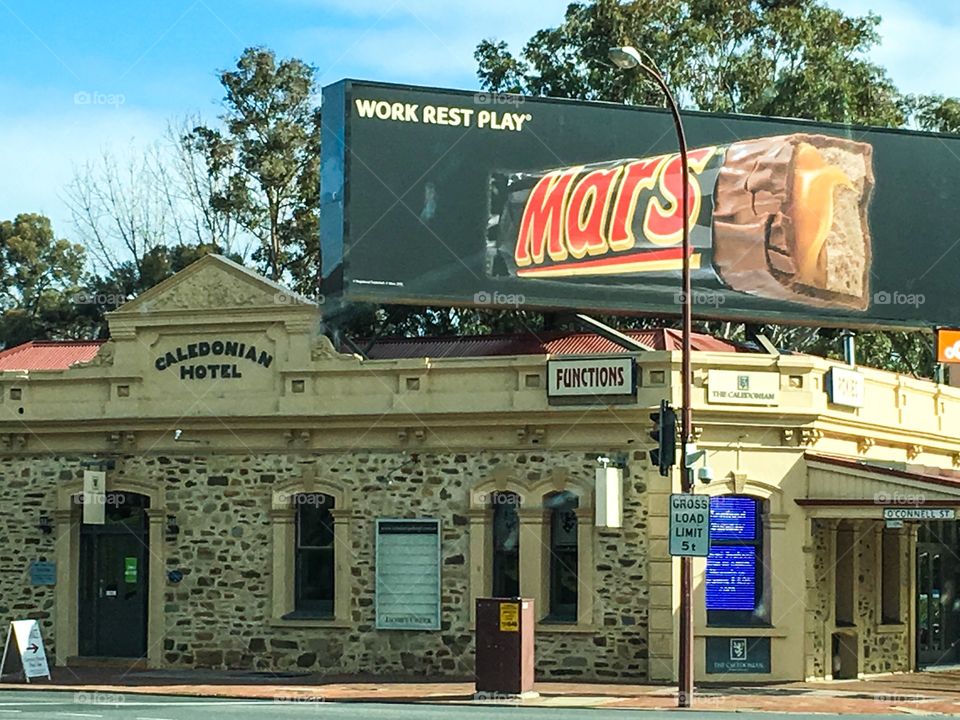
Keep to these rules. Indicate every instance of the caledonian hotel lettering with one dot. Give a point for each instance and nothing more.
(215, 349)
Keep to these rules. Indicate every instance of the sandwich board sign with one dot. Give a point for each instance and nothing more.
(689, 525)
(29, 643)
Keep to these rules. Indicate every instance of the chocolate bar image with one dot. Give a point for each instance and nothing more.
(780, 217)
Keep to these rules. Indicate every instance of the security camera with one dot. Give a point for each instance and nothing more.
(176, 434)
(603, 460)
(705, 475)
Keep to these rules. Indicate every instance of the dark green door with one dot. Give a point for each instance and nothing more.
(938, 602)
(113, 580)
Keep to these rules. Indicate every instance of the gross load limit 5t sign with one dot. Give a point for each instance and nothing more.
(689, 525)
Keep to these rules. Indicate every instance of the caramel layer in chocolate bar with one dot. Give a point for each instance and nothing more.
(781, 217)
(790, 219)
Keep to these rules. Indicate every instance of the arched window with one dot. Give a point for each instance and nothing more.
(564, 578)
(735, 570)
(315, 567)
(506, 544)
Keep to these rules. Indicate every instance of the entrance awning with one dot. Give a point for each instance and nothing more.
(848, 488)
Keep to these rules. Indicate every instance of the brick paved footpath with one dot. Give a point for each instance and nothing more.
(910, 694)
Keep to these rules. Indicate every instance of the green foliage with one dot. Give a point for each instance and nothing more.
(266, 162)
(39, 277)
(793, 59)
(935, 112)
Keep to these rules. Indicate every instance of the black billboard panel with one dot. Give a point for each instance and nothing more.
(455, 198)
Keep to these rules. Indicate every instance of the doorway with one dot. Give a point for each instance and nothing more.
(113, 587)
(938, 601)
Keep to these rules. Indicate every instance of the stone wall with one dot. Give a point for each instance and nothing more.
(27, 491)
(219, 614)
(882, 652)
(819, 610)
(882, 649)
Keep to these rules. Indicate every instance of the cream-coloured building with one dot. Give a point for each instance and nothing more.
(271, 503)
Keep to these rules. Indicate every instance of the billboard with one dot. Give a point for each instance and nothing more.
(446, 197)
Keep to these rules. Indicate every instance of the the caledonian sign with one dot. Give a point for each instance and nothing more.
(215, 368)
(743, 388)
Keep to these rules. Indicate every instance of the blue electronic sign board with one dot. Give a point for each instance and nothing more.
(733, 518)
(731, 581)
(732, 578)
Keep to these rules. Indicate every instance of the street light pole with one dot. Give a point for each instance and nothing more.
(626, 58)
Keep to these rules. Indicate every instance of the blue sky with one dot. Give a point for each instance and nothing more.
(80, 77)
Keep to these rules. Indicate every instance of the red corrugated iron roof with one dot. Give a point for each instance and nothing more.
(48, 354)
(61, 354)
(553, 343)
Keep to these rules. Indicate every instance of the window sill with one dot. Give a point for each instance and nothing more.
(845, 629)
(308, 622)
(741, 631)
(892, 628)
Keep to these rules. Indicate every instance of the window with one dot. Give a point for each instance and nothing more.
(734, 581)
(564, 578)
(844, 590)
(315, 567)
(890, 577)
(506, 544)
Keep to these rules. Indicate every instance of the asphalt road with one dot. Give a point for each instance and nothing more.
(112, 706)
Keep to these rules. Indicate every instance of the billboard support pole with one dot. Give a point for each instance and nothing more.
(628, 58)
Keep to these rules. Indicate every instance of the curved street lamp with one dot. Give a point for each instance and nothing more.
(629, 58)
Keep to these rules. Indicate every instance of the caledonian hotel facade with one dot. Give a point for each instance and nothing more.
(218, 486)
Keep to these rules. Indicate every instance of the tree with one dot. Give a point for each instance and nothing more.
(122, 210)
(39, 281)
(935, 113)
(195, 187)
(793, 58)
(264, 163)
(790, 58)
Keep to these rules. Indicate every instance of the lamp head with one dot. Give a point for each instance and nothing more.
(625, 57)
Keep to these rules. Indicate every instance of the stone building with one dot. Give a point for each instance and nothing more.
(258, 482)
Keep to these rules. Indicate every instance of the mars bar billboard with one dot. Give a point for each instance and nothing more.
(456, 198)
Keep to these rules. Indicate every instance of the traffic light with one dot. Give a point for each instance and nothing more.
(664, 434)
